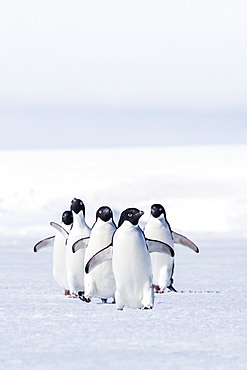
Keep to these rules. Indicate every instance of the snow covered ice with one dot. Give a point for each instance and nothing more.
(204, 325)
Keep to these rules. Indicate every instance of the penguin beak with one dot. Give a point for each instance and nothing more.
(139, 214)
(136, 217)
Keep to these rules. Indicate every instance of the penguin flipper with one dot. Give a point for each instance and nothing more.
(158, 246)
(47, 242)
(101, 256)
(60, 229)
(80, 244)
(180, 239)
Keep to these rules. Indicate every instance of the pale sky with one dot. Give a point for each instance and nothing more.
(169, 65)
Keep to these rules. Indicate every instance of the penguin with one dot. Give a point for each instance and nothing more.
(131, 262)
(100, 282)
(58, 243)
(158, 228)
(74, 263)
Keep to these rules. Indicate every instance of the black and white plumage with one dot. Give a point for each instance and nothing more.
(58, 242)
(131, 262)
(74, 263)
(159, 228)
(100, 282)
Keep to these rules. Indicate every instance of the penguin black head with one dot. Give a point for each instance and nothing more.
(77, 205)
(130, 214)
(67, 217)
(104, 213)
(157, 210)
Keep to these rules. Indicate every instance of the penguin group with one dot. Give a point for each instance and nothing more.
(124, 263)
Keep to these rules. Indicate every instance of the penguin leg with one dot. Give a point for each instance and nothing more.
(72, 282)
(165, 277)
(119, 304)
(66, 292)
(148, 296)
(156, 288)
(104, 300)
(89, 288)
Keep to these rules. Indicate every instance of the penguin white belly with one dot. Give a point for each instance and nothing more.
(100, 282)
(162, 264)
(59, 269)
(132, 269)
(162, 269)
(74, 265)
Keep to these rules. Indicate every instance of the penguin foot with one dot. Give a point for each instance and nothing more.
(120, 307)
(171, 288)
(66, 292)
(80, 294)
(113, 302)
(73, 295)
(148, 307)
(84, 299)
(104, 300)
(156, 288)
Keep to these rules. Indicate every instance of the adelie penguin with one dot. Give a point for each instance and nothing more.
(74, 263)
(100, 282)
(131, 262)
(158, 228)
(58, 243)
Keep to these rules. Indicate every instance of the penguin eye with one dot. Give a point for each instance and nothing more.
(129, 214)
(160, 209)
(100, 211)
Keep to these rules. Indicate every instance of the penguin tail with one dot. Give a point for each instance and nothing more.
(84, 299)
(171, 288)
